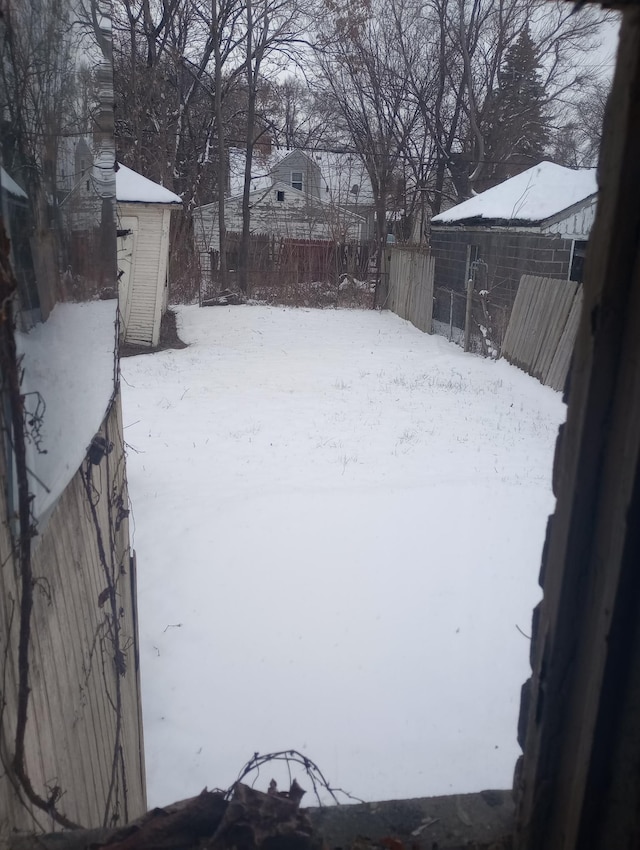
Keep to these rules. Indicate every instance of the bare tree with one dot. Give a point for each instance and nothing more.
(296, 115)
(226, 16)
(176, 64)
(364, 71)
(483, 33)
(413, 86)
(274, 35)
(576, 141)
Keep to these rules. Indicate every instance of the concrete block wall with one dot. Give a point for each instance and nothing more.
(507, 254)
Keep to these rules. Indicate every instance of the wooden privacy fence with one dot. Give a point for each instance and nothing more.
(543, 327)
(276, 262)
(411, 286)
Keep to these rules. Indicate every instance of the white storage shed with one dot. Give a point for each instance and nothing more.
(144, 220)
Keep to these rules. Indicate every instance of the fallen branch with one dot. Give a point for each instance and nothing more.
(250, 820)
(180, 826)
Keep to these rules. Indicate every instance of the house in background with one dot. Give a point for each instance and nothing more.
(144, 220)
(279, 210)
(535, 223)
(303, 207)
(339, 179)
(290, 198)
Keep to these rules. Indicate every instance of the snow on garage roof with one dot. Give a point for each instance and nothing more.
(133, 188)
(535, 195)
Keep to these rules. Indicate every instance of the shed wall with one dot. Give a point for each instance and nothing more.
(147, 288)
(508, 256)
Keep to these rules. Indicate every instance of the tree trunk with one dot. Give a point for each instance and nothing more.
(382, 283)
(243, 259)
(222, 162)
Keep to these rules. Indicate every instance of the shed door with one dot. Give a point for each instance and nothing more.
(127, 239)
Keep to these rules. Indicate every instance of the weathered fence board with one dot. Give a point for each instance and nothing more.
(556, 327)
(542, 328)
(275, 263)
(411, 273)
(562, 357)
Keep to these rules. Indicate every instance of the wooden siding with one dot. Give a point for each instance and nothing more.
(543, 327)
(331, 177)
(574, 223)
(312, 182)
(71, 738)
(411, 274)
(126, 266)
(162, 298)
(147, 286)
(579, 784)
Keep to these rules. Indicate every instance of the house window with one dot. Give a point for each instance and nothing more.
(296, 180)
(280, 195)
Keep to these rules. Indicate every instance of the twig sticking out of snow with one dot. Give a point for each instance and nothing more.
(318, 780)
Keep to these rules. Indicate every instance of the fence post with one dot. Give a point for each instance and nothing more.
(467, 316)
(450, 315)
(385, 277)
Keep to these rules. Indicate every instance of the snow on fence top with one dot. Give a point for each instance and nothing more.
(133, 188)
(533, 196)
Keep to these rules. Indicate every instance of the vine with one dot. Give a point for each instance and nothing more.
(111, 570)
(26, 532)
(101, 480)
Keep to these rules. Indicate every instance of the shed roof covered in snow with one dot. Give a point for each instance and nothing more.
(133, 188)
(10, 186)
(534, 196)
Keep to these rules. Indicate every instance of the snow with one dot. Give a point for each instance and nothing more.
(133, 188)
(533, 196)
(342, 171)
(338, 524)
(68, 364)
(9, 185)
(262, 165)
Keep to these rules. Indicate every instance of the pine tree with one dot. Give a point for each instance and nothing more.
(516, 124)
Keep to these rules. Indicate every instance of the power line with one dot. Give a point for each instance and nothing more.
(346, 150)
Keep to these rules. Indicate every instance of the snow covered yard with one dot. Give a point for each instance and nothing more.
(338, 523)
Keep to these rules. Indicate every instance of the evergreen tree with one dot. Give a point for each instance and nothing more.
(516, 125)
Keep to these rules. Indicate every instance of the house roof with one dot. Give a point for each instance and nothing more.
(10, 186)
(531, 197)
(340, 172)
(133, 188)
(256, 195)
